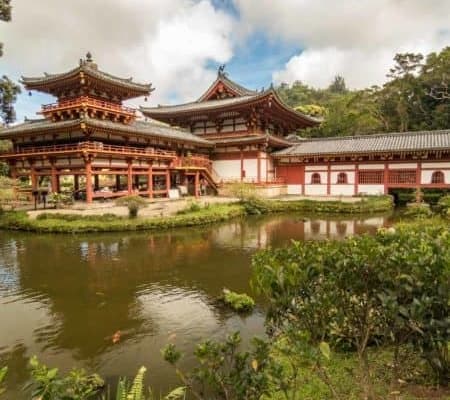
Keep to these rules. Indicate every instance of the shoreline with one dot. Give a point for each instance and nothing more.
(70, 223)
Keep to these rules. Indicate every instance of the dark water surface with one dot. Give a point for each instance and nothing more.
(62, 297)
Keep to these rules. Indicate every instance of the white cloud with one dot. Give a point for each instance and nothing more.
(355, 38)
(166, 42)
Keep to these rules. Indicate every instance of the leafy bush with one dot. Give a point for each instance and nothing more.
(191, 206)
(418, 210)
(391, 289)
(238, 302)
(58, 199)
(243, 191)
(443, 205)
(134, 204)
(47, 384)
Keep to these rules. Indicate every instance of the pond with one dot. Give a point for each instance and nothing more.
(63, 297)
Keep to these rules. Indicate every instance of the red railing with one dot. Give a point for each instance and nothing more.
(86, 101)
(93, 146)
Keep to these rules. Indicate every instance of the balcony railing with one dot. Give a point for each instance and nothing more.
(86, 101)
(92, 146)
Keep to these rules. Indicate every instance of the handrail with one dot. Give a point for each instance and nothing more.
(93, 146)
(88, 101)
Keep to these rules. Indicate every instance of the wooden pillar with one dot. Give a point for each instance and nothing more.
(355, 190)
(328, 178)
(150, 181)
(242, 163)
(303, 179)
(89, 192)
(167, 182)
(76, 183)
(258, 166)
(54, 182)
(386, 178)
(136, 182)
(197, 183)
(130, 177)
(419, 175)
(117, 182)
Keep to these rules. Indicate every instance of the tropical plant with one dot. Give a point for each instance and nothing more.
(3, 372)
(134, 204)
(239, 302)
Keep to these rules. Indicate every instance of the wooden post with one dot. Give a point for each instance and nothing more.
(130, 177)
(386, 178)
(117, 182)
(328, 178)
(167, 182)
(258, 166)
(89, 192)
(150, 181)
(196, 185)
(136, 182)
(54, 183)
(355, 190)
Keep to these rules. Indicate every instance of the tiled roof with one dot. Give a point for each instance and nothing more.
(138, 127)
(89, 68)
(405, 141)
(210, 105)
(235, 87)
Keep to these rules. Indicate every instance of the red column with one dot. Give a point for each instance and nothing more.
(258, 166)
(33, 178)
(130, 177)
(419, 175)
(356, 179)
(386, 178)
(54, 179)
(150, 181)
(197, 183)
(89, 193)
(303, 172)
(328, 179)
(167, 182)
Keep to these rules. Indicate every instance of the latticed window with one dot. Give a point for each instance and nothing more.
(437, 177)
(370, 177)
(342, 177)
(315, 178)
(403, 176)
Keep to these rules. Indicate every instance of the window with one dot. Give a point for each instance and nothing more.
(342, 178)
(315, 178)
(403, 177)
(370, 177)
(437, 177)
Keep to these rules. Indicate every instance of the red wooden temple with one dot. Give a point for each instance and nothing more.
(229, 134)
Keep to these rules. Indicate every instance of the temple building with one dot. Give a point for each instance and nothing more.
(230, 134)
(88, 133)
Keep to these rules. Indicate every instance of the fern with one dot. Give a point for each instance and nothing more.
(137, 389)
(122, 389)
(176, 394)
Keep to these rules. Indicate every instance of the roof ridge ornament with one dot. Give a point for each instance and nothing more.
(221, 71)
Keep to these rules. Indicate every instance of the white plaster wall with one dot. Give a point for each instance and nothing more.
(342, 167)
(371, 189)
(426, 176)
(323, 177)
(350, 177)
(342, 190)
(294, 189)
(371, 166)
(403, 166)
(316, 190)
(436, 165)
(316, 168)
(251, 169)
(228, 169)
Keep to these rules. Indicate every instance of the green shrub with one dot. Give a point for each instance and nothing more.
(134, 204)
(58, 199)
(418, 211)
(238, 302)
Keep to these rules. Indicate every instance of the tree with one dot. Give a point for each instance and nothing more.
(8, 89)
(338, 85)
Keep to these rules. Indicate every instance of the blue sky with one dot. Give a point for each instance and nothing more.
(178, 44)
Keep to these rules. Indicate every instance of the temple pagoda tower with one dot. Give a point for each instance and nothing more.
(245, 126)
(89, 133)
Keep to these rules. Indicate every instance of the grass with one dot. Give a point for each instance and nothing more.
(192, 216)
(342, 369)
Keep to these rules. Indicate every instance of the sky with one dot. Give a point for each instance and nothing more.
(177, 45)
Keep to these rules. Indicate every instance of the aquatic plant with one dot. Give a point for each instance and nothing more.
(239, 302)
